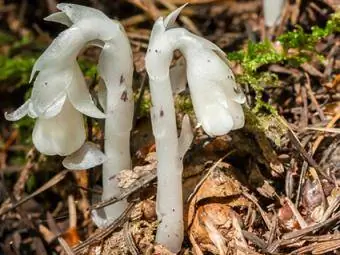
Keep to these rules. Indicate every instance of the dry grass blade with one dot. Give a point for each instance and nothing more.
(313, 99)
(326, 247)
(99, 236)
(57, 178)
(129, 241)
(206, 176)
(55, 229)
(321, 137)
(262, 212)
(327, 130)
(310, 229)
(296, 213)
(322, 238)
(296, 142)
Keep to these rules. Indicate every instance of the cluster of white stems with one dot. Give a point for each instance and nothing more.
(60, 97)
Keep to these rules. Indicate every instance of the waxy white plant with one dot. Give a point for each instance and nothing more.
(60, 95)
(217, 103)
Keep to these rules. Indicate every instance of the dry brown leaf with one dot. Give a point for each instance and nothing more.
(210, 210)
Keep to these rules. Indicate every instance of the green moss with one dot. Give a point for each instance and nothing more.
(298, 39)
(183, 104)
(297, 47)
(16, 69)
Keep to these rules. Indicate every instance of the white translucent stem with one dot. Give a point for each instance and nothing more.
(117, 69)
(169, 168)
(272, 11)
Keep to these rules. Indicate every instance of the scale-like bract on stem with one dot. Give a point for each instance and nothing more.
(217, 103)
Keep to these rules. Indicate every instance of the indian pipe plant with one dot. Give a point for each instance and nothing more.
(60, 97)
(217, 104)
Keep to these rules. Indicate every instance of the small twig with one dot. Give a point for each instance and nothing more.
(272, 232)
(310, 229)
(313, 99)
(322, 238)
(57, 178)
(327, 130)
(304, 113)
(301, 182)
(129, 241)
(321, 137)
(331, 208)
(296, 142)
(55, 229)
(99, 236)
(72, 211)
(296, 213)
(255, 239)
(262, 212)
(134, 187)
(211, 169)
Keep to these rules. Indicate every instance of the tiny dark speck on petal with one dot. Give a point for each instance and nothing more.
(45, 83)
(208, 60)
(173, 209)
(161, 113)
(124, 96)
(236, 90)
(122, 79)
(112, 177)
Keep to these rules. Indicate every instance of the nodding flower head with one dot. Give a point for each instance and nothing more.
(59, 95)
(216, 97)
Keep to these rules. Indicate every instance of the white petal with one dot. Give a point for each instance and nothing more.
(59, 17)
(186, 137)
(209, 97)
(49, 86)
(60, 135)
(18, 113)
(208, 45)
(63, 50)
(171, 18)
(236, 111)
(216, 120)
(80, 97)
(86, 18)
(178, 76)
(54, 109)
(86, 157)
(77, 12)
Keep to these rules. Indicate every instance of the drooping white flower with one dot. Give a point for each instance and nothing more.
(217, 103)
(58, 81)
(60, 97)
